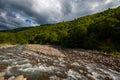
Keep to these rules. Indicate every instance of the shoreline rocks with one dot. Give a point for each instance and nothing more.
(6, 46)
(45, 49)
(87, 56)
(45, 61)
(19, 77)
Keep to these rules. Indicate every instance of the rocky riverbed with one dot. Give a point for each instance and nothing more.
(46, 62)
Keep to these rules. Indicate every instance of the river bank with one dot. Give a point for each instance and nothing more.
(49, 62)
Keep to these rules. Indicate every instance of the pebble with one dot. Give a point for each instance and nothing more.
(2, 74)
(1, 78)
(11, 78)
(20, 77)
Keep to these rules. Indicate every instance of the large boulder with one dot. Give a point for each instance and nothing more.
(45, 49)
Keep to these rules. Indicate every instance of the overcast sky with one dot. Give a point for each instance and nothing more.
(21, 13)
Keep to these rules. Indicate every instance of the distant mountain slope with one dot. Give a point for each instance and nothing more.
(97, 31)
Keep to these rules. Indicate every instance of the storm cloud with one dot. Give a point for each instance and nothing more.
(24, 13)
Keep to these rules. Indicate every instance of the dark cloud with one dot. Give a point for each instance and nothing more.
(14, 13)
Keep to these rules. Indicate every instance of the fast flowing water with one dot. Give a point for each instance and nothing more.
(36, 66)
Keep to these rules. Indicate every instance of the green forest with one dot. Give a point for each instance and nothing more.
(100, 31)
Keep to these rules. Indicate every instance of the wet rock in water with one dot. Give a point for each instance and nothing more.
(61, 74)
(11, 78)
(25, 79)
(2, 74)
(108, 78)
(1, 78)
(20, 77)
(37, 60)
(14, 69)
(2, 68)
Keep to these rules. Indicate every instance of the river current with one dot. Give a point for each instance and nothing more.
(37, 66)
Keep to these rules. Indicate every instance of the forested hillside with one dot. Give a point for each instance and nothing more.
(98, 31)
